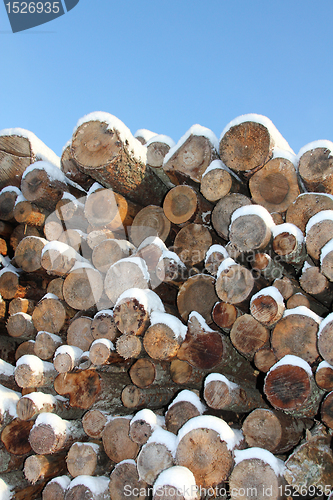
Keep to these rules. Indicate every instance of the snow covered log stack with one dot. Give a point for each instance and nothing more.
(165, 315)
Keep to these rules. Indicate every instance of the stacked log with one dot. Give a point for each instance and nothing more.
(165, 315)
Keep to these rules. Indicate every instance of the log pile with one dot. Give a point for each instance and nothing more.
(165, 324)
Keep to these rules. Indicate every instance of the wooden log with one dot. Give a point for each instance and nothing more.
(27, 347)
(8, 401)
(14, 485)
(326, 410)
(257, 476)
(207, 449)
(8, 197)
(272, 430)
(235, 283)
(220, 393)
(20, 232)
(175, 482)
(104, 148)
(154, 397)
(29, 252)
(3, 247)
(296, 333)
(21, 305)
(326, 263)
(315, 283)
(315, 166)
(318, 232)
(87, 459)
(184, 204)
(156, 455)
(8, 347)
(44, 184)
(70, 211)
(221, 215)
(129, 346)
(77, 239)
(150, 221)
(325, 339)
(124, 480)
(53, 227)
(15, 436)
(183, 373)
(290, 386)
(51, 434)
(192, 243)
(21, 326)
(110, 251)
(289, 244)
(164, 337)
(324, 376)
(83, 287)
(56, 488)
(247, 143)
(103, 325)
(50, 314)
(31, 371)
(85, 388)
(79, 333)
(157, 148)
(296, 300)
(214, 256)
(58, 258)
(224, 315)
(10, 462)
(306, 206)
(251, 228)
(185, 406)
(72, 171)
(193, 153)
(26, 212)
(123, 447)
(7, 379)
(93, 487)
(6, 229)
(9, 282)
(270, 268)
(38, 467)
(31, 405)
(264, 359)
(311, 463)
(197, 294)
(102, 352)
(275, 186)
(146, 372)
(46, 344)
(143, 424)
(218, 181)
(66, 358)
(267, 306)
(96, 236)
(125, 274)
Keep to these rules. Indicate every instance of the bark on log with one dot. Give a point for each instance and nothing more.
(28, 213)
(221, 215)
(197, 294)
(191, 244)
(124, 479)
(248, 335)
(15, 486)
(51, 434)
(296, 334)
(31, 405)
(102, 152)
(131, 316)
(87, 459)
(306, 206)
(150, 221)
(31, 371)
(8, 197)
(190, 158)
(153, 397)
(116, 441)
(270, 268)
(10, 462)
(37, 467)
(291, 387)
(71, 170)
(183, 373)
(272, 430)
(146, 372)
(275, 185)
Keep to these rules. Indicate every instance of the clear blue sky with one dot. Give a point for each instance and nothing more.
(166, 65)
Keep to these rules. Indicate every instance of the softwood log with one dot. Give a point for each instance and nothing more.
(26, 212)
(290, 386)
(93, 487)
(58, 258)
(9, 282)
(296, 333)
(251, 228)
(316, 284)
(185, 405)
(110, 251)
(324, 376)
(28, 253)
(21, 326)
(177, 482)
(264, 359)
(66, 358)
(31, 371)
(50, 314)
(6, 230)
(181, 372)
(56, 488)
(275, 186)
(38, 467)
(318, 233)
(15, 436)
(87, 459)
(184, 204)
(79, 333)
(220, 393)
(247, 143)
(267, 306)
(27, 347)
(83, 287)
(150, 221)
(31, 405)
(21, 305)
(46, 344)
(207, 449)
(306, 206)
(235, 283)
(143, 424)
(71, 170)
(8, 198)
(103, 325)
(96, 236)
(326, 260)
(224, 315)
(15, 486)
(218, 181)
(8, 401)
(289, 244)
(197, 294)
(315, 166)
(85, 388)
(10, 462)
(146, 372)
(132, 312)
(7, 379)
(257, 476)
(101, 352)
(311, 463)
(270, 268)
(124, 479)
(214, 256)
(192, 243)
(129, 346)
(156, 455)
(51, 434)
(164, 337)
(104, 148)
(125, 274)
(248, 335)
(193, 153)
(154, 397)
(20, 232)
(123, 447)
(326, 410)
(221, 215)
(272, 430)
(94, 421)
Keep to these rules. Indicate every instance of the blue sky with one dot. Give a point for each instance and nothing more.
(166, 65)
